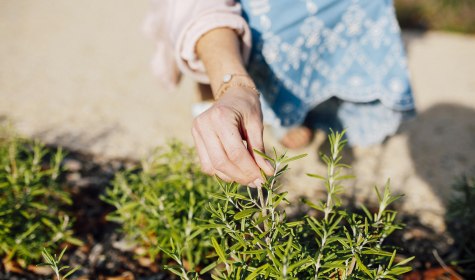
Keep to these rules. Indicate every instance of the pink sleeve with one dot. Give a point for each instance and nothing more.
(178, 25)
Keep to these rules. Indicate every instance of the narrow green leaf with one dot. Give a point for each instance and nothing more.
(362, 266)
(393, 256)
(287, 160)
(405, 261)
(245, 213)
(399, 270)
(263, 155)
(71, 272)
(218, 250)
(62, 253)
(344, 177)
(208, 268)
(256, 272)
(367, 212)
(376, 252)
(316, 176)
(294, 224)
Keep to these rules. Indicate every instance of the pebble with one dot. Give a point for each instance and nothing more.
(72, 165)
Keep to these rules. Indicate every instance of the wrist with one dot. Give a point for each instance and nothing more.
(231, 80)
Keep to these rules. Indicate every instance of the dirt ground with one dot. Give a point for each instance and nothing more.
(77, 74)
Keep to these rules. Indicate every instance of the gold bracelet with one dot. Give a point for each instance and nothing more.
(227, 85)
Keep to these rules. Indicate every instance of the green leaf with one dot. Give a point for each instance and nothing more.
(257, 271)
(314, 206)
(218, 250)
(393, 256)
(208, 268)
(294, 224)
(362, 266)
(287, 160)
(378, 252)
(174, 271)
(367, 212)
(218, 196)
(344, 177)
(62, 253)
(71, 272)
(405, 261)
(302, 264)
(245, 213)
(317, 176)
(400, 270)
(48, 223)
(254, 252)
(237, 196)
(263, 155)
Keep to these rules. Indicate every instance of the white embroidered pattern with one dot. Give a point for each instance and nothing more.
(315, 40)
(318, 49)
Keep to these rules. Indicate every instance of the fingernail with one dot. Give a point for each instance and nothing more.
(258, 182)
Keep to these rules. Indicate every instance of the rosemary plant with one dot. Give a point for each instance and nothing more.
(160, 205)
(32, 201)
(257, 241)
(208, 228)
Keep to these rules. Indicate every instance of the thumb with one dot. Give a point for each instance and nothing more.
(254, 138)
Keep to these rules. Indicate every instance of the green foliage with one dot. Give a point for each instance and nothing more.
(461, 217)
(31, 199)
(161, 204)
(54, 263)
(255, 239)
(450, 15)
(244, 233)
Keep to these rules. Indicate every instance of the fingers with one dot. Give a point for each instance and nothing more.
(219, 132)
(214, 159)
(237, 153)
(222, 162)
(206, 165)
(254, 138)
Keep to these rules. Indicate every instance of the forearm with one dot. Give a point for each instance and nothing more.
(220, 52)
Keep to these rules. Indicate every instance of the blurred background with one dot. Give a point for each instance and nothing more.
(76, 74)
(446, 15)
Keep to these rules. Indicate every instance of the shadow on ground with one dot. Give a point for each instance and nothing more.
(442, 145)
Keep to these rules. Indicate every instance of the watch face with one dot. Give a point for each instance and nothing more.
(227, 78)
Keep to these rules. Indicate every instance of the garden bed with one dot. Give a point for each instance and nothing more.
(106, 253)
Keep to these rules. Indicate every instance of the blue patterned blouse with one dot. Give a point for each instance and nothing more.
(343, 59)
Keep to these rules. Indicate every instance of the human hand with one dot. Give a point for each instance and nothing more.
(219, 133)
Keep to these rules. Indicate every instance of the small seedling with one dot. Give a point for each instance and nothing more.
(55, 264)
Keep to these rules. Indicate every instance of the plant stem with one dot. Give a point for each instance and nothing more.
(260, 196)
(331, 179)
